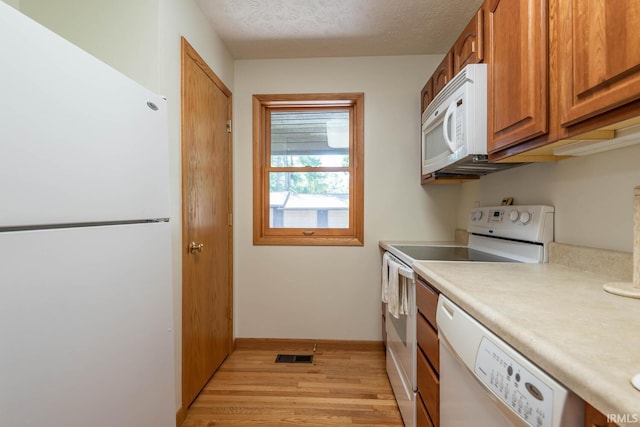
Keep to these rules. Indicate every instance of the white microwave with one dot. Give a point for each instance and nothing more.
(454, 126)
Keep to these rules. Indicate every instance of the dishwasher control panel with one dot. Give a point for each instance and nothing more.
(525, 394)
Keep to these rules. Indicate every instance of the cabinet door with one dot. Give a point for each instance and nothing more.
(469, 48)
(518, 92)
(429, 388)
(422, 418)
(443, 74)
(599, 58)
(594, 418)
(426, 94)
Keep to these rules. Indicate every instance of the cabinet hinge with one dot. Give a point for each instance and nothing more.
(229, 126)
(230, 218)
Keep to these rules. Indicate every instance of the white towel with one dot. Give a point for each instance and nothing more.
(404, 302)
(393, 306)
(385, 277)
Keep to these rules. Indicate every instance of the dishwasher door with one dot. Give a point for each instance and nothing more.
(463, 401)
(484, 382)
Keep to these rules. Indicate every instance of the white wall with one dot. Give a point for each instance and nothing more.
(183, 18)
(122, 33)
(142, 40)
(333, 292)
(593, 196)
(13, 3)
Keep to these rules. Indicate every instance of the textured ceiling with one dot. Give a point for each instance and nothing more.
(259, 29)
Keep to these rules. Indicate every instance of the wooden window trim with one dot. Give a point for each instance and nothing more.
(262, 233)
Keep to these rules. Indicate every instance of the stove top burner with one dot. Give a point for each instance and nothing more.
(449, 253)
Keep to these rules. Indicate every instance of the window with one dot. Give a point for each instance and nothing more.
(308, 181)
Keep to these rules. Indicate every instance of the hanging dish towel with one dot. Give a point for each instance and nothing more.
(404, 301)
(385, 277)
(393, 306)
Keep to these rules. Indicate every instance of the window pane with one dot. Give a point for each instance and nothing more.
(310, 138)
(309, 200)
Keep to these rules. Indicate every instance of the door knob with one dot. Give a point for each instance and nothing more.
(193, 246)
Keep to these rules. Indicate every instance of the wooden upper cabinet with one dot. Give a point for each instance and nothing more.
(469, 48)
(426, 95)
(599, 56)
(518, 66)
(443, 74)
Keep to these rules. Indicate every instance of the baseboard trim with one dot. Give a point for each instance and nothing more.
(293, 344)
(181, 415)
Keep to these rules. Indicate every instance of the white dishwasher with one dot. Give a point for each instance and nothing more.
(486, 383)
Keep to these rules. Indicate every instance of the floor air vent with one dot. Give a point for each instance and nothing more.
(294, 358)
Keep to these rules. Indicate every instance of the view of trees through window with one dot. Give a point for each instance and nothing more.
(311, 182)
(302, 141)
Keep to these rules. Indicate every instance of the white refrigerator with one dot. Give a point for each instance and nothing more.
(86, 311)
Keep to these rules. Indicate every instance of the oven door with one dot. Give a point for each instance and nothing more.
(401, 350)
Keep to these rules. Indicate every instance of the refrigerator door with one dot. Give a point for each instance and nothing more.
(86, 336)
(78, 141)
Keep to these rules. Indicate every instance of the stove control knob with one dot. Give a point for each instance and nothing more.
(476, 216)
(514, 215)
(525, 217)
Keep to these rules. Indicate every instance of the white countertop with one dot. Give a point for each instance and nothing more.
(559, 318)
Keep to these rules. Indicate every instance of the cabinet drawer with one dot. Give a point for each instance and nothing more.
(427, 301)
(422, 418)
(429, 388)
(428, 342)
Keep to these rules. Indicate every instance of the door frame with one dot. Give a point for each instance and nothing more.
(189, 53)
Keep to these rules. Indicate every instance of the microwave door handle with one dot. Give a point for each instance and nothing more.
(445, 126)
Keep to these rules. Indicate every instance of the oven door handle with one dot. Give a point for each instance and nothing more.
(402, 269)
(406, 272)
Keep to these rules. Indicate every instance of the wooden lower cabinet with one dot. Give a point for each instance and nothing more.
(428, 356)
(595, 418)
(429, 388)
(422, 417)
(428, 342)
(427, 301)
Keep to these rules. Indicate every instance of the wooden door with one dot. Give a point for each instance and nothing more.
(599, 56)
(518, 58)
(206, 224)
(469, 48)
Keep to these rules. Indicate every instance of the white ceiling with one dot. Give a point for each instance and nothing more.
(260, 29)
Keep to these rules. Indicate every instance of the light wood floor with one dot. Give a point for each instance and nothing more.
(345, 386)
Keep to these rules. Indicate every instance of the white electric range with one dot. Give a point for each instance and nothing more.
(496, 234)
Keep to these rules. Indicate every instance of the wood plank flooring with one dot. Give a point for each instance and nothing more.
(345, 385)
